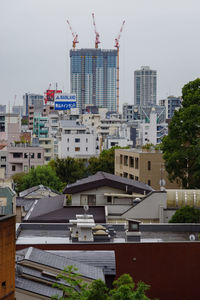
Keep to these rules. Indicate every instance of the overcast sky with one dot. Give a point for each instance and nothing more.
(35, 41)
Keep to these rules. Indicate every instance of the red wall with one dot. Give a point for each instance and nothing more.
(172, 269)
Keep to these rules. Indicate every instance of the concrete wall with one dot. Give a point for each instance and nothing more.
(148, 208)
(99, 192)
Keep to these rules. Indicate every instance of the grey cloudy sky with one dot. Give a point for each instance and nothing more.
(35, 42)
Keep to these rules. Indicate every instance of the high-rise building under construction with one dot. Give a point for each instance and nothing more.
(94, 77)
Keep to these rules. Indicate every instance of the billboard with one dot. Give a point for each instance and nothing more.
(49, 96)
(64, 101)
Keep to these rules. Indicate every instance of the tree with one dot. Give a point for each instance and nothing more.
(18, 181)
(105, 162)
(186, 214)
(40, 175)
(69, 169)
(75, 289)
(181, 148)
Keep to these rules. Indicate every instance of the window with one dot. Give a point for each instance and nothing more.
(39, 155)
(25, 168)
(16, 155)
(77, 140)
(136, 163)
(149, 182)
(13, 168)
(77, 149)
(32, 155)
(121, 159)
(68, 140)
(125, 160)
(125, 175)
(136, 178)
(149, 165)
(86, 140)
(3, 284)
(86, 149)
(109, 199)
(91, 199)
(131, 176)
(67, 148)
(131, 162)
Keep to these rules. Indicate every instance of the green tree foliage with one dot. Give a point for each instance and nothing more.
(186, 214)
(18, 181)
(69, 169)
(181, 148)
(105, 162)
(40, 175)
(75, 289)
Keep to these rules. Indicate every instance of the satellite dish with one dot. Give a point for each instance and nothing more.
(192, 237)
(86, 208)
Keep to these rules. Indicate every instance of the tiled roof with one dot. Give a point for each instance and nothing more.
(107, 179)
(58, 262)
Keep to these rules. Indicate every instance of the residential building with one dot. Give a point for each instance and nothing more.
(144, 165)
(10, 125)
(142, 113)
(22, 157)
(37, 192)
(104, 189)
(7, 201)
(7, 257)
(171, 104)
(140, 250)
(93, 77)
(76, 140)
(36, 100)
(150, 131)
(37, 271)
(48, 145)
(39, 126)
(145, 86)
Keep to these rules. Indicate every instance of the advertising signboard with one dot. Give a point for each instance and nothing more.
(49, 96)
(64, 101)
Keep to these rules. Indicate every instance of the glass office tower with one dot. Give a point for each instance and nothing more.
(94, 77)
(145, 86)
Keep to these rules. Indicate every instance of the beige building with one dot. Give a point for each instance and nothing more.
(143, 165)
(48, 145)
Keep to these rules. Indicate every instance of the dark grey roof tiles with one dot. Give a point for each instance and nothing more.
(58, 262)
(36, 287)
(45, 205)
(101, 259)
(26, 203)
(107, 179)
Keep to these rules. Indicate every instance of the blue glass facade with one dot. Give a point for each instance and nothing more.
(94, 78)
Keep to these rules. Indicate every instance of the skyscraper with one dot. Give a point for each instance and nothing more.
(93, 77)
(145, 86)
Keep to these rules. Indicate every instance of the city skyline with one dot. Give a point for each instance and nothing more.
(36, 42)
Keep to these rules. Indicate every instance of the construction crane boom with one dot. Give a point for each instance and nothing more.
(117, 46)
(97, 41)
(75, 36)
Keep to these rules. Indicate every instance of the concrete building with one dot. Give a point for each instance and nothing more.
(151, 132)
(76, 140)
(22, 157)
(10, 125)
(36, 100)
(145, 86)
(144, 165)
(48, 145)
(94, 77)
(171, 104)
(142, 113)
(39, 126)
(18, 110)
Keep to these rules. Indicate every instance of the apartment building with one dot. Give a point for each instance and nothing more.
(143, 165)
(22, 157)
(48, 145)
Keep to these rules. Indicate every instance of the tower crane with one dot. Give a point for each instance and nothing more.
(75, 36)
(117, 46)
(97, 41)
